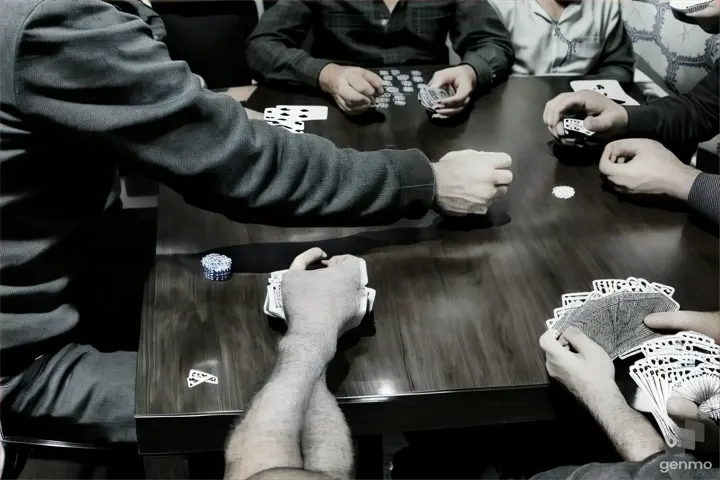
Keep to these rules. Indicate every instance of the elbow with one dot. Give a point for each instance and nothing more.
(253, 57)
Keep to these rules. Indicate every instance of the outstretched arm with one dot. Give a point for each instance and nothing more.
(326, 443)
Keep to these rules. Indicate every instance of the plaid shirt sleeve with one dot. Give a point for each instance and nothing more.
(113, 85)
(481, 39)
(274, 50)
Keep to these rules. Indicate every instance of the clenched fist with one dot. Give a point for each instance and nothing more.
(353, 88)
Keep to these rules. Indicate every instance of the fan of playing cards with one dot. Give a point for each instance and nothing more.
(274, 304)
(613, 314)
(686, 364)
(430, 96)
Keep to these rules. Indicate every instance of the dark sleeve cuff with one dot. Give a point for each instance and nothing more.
(704, 195)
(483, 72)
(309, 71)
(642, 122)
(417, 179)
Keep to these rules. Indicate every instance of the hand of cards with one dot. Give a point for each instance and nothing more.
(686, 364)
(430, 96)
(613, 314)
(274, 304)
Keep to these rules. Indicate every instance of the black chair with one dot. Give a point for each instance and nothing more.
(210, 37)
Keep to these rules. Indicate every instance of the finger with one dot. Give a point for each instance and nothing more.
(554, 109)
(337, 259)
(460, 99)
(374, 80)
(607, 163)
(362, 86)
(707, 323)
(501, 160)
(307, 258)
(550, 344)
(351, 97)
(579, 341)
(503, 177)
(448, 112)
(500, 192)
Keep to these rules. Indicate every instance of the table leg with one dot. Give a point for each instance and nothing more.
(164, 467)
(368, 457)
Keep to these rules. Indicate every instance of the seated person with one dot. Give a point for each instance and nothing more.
(568, 37)
(587, 371)
(294, 428)
(352, 36)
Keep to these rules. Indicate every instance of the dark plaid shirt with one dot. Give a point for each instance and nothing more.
(367, 34)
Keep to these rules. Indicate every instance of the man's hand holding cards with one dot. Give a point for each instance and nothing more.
(317, 292)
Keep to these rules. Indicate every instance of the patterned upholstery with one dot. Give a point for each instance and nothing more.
(679, 53)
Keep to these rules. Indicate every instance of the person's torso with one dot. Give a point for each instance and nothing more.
(55, 186)
(367, 33)
(571, 45)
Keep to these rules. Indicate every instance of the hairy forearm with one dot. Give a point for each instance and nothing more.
(633, 436)
(269, 435)
(326, 443)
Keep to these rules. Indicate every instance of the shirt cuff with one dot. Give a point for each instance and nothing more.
(483, 72)
(309, 71)
(704, 194)
(642, 122)
(417, 179)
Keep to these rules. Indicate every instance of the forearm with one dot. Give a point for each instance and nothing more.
(483, 42)
(631, 434)
(150, 111)
(679, 121)
(326, 442)
(273, 62)
(269, 434)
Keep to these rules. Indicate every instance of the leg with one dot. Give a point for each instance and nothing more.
(326, 437)
(84, 395)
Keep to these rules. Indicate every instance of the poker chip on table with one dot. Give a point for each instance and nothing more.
(564, 192)
(217, 267)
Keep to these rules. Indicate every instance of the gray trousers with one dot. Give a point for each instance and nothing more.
(78, 394)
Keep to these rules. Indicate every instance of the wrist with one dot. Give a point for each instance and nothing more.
(308, 346)
(681, 182)
(471, 73)
(327, 76)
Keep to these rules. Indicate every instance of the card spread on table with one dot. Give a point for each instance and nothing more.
(293, 117)
(273, 305)
(609, 88)
(196, 377)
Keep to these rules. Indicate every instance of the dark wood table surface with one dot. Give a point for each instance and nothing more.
(460, 305)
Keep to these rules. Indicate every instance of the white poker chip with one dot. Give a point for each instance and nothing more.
(383, 72)
(406, 83)
(403, 77)
(417, 79)
(395, 72)
(399, 96)
(416, 73)
(564, 192)
(400, 103)
(408, 89)
(387, 77)
(386, 95)
(392, 89)
(382, 105)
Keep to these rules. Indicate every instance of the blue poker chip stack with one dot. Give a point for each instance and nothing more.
(217, 267)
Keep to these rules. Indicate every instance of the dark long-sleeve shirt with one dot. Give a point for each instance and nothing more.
(86, 87)
(681, 122)
(365, 33)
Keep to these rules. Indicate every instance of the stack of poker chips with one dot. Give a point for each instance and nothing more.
(217, 267)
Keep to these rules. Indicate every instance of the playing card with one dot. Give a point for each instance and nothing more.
(430, 96)
(196, 377)
(303, 112)
(572, 298)
(609, 88)
(294, 126)
(573, 125)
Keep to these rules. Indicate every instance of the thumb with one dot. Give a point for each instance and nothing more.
(599, 124)
(577, 339)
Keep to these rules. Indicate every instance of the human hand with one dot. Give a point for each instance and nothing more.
(462, 79)
(587, 372)
(645, 166)
(602, 115)
(324, 301)
(353, 88)
(706, 323)
(468, 181)
(699, 431)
